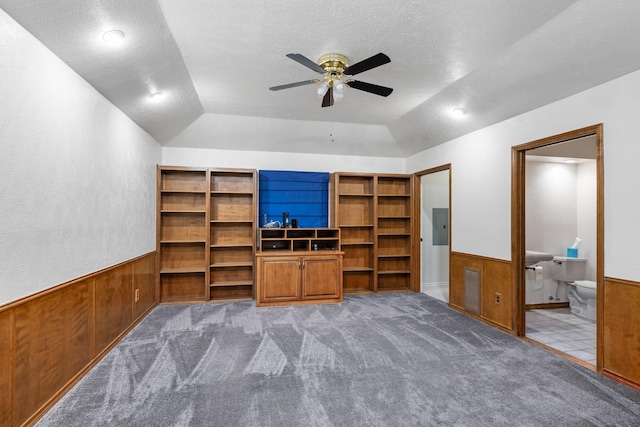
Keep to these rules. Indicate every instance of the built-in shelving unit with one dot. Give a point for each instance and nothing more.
(299, 266)
(232, 234)
(374, 214)
(182, 233)
(299, 239)
(206, 234)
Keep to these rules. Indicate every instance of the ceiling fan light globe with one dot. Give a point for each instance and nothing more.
(339, 87)
(322, 90)
(337, 96)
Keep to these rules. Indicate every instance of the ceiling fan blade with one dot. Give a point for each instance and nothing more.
(367, 64)
(327, 101)
(301, 59)
(370, 87)
(296, 84)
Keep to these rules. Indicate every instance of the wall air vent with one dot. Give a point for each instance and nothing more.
(472, 290)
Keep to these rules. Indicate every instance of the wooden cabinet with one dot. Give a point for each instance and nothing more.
(374, 213)
(206, 233)
(298, 279)
(299, 266)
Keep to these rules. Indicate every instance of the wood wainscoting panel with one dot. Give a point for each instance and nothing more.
(456, 287)
(53, 335)
(497, 293)
(6, 351)
(50, 339)
(495, 279)
(621, 334)
(114, 305)
(144, 280)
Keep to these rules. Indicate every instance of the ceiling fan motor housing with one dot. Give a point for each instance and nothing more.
(333, 65)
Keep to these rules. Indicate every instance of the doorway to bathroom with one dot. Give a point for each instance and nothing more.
(557, 230)
(435, 232)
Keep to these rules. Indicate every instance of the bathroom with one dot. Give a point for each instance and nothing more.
(561, 208)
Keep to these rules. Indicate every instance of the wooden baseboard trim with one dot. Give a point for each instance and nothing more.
(482, 319)
(620, 379)
(546, 305)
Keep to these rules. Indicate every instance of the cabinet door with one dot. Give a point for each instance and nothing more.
(321, 277)
(279, 279)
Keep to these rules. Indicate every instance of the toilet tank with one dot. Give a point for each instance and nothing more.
(568, 269)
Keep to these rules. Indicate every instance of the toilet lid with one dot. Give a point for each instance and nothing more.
(586, 284)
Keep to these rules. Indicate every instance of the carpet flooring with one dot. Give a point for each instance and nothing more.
(400, 359)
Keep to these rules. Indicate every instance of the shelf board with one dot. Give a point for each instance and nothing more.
(357, 243)
(353, 269)
(398, 289)
(192, 211)
(182, 270)
(394, 256)
(394, 217)
(394, 195)
(235, 245)
(180, 242)
(182, 192)
(232, 221)
(357, 291)
(239, 193)
(381, 273)
(231, 283)
(231, 264)
(394, 234)
(356, 195)
(357, 226)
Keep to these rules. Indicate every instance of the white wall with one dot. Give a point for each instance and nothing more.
(586, 185)
(481, 172)
(78, 176)
(434, 259)
(551, 207)
(174, 156)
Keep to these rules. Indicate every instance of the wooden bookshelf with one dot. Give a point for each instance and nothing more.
(232, 234)
(374, 213)
(206, 234)
(182, 234)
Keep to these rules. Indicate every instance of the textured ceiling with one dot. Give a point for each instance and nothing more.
(214, 62)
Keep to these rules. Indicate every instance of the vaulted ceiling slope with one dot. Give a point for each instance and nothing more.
(214, 63)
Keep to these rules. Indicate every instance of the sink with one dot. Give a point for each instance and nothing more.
(534, 257)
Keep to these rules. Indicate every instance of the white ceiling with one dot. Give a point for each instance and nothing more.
(214, 62)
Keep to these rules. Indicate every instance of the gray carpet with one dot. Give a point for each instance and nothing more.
(377, 360)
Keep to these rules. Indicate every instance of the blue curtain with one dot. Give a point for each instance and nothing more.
(305, 195)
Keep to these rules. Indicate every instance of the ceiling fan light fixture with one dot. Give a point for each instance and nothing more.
(322, 89)
(113, 37)
(339, 87)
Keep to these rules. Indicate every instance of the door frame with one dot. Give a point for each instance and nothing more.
(518, 234)
(417, 249)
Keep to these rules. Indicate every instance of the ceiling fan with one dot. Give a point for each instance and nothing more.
(337, 74)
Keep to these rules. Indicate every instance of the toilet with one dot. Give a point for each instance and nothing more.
(582, 298)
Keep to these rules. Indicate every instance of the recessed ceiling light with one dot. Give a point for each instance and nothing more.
(458, 112)
(155, 96)
(113, 37)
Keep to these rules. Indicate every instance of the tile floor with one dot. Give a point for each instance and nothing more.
(560, 329)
